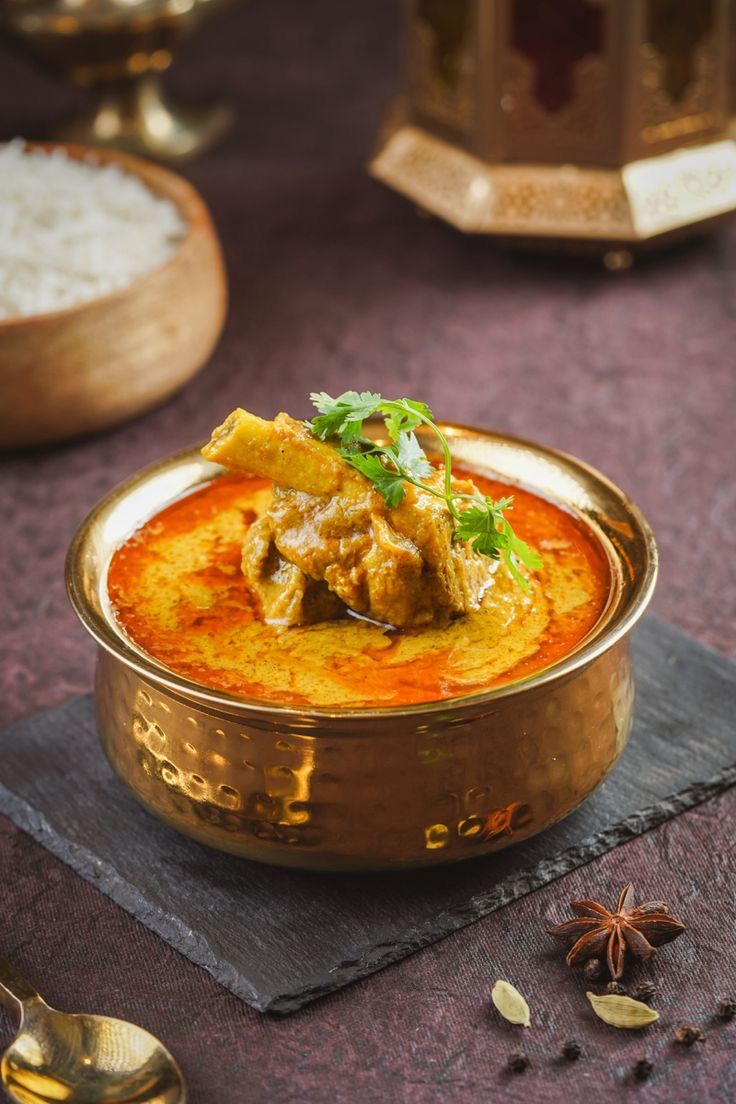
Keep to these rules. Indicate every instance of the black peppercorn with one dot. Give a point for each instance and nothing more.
(571, 1050)
(727, 1008)
(616, 989)
(593, 969)
(644, 991)
(687, 1034)
(518, 1062)
(643, 1069)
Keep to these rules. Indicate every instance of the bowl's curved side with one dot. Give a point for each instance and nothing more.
(91, 366)
(402, 795)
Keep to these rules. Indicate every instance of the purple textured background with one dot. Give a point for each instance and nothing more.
(335, 283)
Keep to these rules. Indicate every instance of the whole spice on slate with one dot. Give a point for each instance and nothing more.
(687, 1034)
(617, 988)
(593, 969)
(510, 1003)
(571, 1050)
(518, 1062)
(635, 928)
(726, 1009)
(643, 1069)
(622, 1011)
(644, 991)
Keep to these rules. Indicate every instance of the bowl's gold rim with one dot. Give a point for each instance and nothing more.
(602, 639)
(191, 203)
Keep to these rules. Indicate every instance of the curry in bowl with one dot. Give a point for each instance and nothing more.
(316, 592)
(360, 643)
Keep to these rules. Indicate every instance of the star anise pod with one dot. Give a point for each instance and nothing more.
(638, 929)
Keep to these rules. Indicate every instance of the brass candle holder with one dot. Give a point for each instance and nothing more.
(119, 49)
(603, 121)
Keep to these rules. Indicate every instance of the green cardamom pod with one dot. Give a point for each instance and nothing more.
(510, 1003)
(622, 1011)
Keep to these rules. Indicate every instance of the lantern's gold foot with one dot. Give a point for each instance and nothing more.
(137, 117)
(618, 260)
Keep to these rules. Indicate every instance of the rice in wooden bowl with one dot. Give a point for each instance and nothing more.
(112, 290)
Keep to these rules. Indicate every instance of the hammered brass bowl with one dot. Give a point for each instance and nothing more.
(370, 789)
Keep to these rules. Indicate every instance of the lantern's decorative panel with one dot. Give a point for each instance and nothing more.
(558, 87)
(443, 64)
(681, 75)
(572, 118)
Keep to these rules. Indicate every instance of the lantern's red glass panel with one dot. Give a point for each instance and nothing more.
(676, 28)
(554, 35)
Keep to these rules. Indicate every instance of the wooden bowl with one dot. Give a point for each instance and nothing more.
(90, 366)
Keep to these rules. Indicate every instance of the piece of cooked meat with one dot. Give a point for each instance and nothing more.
(287, 595)
(329, 540)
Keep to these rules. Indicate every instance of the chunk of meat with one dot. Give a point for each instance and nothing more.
(287, 595)
(329, 540)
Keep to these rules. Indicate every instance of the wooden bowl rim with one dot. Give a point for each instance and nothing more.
(162, 182)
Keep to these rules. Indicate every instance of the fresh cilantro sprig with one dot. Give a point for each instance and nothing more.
(342, 417)
(389, 467)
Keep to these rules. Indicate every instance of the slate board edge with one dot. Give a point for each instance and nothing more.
(104, 877)
(197, 949)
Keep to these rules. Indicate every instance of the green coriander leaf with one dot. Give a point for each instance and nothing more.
(350, 432)
(344, 415)
(477, 524)
(326, 425)
(322, 401)
(410, 456)
(349, 401)
(362, 405)
(508, 559)
(404, 415)
(492, 535)
(520, 549)
(389, 484)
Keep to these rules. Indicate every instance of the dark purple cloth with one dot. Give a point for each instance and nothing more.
(336, 283)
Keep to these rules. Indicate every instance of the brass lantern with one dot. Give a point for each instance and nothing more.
(596, 120)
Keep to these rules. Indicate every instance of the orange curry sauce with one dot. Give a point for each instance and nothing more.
(208, 603)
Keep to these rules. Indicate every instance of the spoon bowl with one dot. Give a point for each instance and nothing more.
(88, 1059)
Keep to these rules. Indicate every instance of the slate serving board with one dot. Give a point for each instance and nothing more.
(279, 938)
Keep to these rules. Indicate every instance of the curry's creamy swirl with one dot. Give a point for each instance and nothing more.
(179, 593)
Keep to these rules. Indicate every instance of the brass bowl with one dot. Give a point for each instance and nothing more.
(92, 365)
(370, 789)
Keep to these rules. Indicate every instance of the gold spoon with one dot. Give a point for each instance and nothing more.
(58, 1056)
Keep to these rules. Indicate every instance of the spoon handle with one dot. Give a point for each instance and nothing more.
(14, 989)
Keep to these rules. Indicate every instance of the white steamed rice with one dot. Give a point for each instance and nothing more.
(71, 230)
